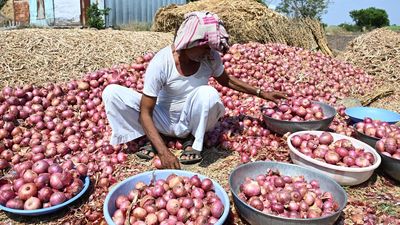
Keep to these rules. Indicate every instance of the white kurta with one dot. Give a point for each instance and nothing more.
(185, 105)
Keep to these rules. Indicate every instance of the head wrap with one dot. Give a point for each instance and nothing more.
(201, 28)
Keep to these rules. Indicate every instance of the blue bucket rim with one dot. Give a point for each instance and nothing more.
(372, 108)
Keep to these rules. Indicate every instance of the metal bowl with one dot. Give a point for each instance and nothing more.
(282, 126)
(43, 211)
(254, 216)
(357, 114)
(342, 175)
(125, 186)
(390, 166)
(371, 141)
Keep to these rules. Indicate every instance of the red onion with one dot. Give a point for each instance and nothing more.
(32, 203)
(27, 190)
(57, 198)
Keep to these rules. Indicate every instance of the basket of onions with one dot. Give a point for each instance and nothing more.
(281, 193)
(297, 115)
(42, 187)
(166, 197)
(346, 160)
(370, 131)
(389, 149)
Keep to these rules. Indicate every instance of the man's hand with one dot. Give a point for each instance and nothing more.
(273, 96)
(169, 161)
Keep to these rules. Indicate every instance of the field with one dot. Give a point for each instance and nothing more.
(51, 56)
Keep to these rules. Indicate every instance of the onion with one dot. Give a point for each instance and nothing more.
(32, 203)
(325, 138)
(15, 203)
(206, 184)
(139, 213)
(56, 181)
(44, 194)
(173, 206)
(27, 190)
(332, 157)
(57, 198)
(5, 196)
(251, 189)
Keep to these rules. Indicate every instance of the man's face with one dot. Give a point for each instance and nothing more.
(198, 53)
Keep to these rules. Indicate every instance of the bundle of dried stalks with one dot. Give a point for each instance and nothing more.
(377, 52)
(248, 21)
(38, 56)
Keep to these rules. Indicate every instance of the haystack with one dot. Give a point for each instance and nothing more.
(248, 21)
(377, 52)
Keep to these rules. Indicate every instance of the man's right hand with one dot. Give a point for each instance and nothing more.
(169, 161)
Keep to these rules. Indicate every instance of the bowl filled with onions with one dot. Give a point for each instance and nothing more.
(166, 197)
(389, 150)
(282, 193)
(346, 160)
(298, 115)
(42, 187)
(370, 131)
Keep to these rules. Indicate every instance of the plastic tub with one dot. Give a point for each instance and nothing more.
(254, 216)
(125, 186)
(342, 175)
(49, 210)
(357, 114)
(282, 126)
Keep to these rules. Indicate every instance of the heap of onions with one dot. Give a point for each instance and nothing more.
(377, 128)
(389, 146)
(41, 184)
(175, 200)
(286, 196)
(340, 152)
(299, 109)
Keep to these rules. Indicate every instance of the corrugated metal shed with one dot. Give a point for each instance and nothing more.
(130, 11)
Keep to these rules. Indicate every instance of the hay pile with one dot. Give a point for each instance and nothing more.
(377, 52)
(8, 10)
(248, 21)
(38, 56)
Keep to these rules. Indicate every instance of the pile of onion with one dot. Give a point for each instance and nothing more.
(377, 128)
(41, 184)
(389, 146)
(299, 109)
(340, 152)
(175, 200)
(286, 196)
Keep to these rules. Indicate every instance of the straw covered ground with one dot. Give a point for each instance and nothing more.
(47, 55)
(38, 56)
(378, 54)
(248, 21)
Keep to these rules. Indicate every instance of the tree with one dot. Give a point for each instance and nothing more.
(303, 8)
(370, 17)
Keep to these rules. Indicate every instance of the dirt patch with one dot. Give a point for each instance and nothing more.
(39, 56)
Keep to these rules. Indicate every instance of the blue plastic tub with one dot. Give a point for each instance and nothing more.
(49, 210)
(357, 114)
(125, 186)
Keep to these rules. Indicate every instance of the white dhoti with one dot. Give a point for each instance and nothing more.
(201, 111)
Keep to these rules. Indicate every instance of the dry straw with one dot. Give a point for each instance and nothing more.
(248, 21)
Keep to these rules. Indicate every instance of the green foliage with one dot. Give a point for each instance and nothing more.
(95, 16)
(303, 8)
(370, 18)
(350, 27)
(2, 3)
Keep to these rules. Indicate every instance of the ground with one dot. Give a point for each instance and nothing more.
(376, 200)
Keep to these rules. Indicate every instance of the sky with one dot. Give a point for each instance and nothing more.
(338, 10)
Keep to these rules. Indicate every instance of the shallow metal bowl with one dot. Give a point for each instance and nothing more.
(282, 126)
(254, 216)
(390, 166)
